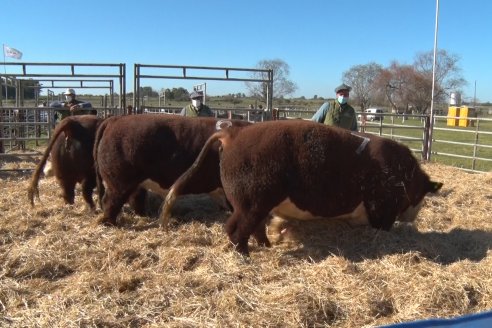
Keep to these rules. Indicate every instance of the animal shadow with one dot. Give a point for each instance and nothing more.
(360, 243)
(16, 166)
(188, 208)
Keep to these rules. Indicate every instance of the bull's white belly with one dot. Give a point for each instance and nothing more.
(154, 187)
(287, 210)
(217, 195)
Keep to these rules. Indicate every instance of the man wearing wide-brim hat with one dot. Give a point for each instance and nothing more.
(338, 112)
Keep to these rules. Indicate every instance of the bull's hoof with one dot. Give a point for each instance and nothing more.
(106, 222)
(243, 250)
(90, 208)
(264, 243)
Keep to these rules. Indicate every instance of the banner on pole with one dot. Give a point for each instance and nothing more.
(11, 52)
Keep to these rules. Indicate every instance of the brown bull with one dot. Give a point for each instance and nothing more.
(71, 158)
(305, 170)
(131, 150)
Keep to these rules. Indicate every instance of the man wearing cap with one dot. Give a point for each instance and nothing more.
(71, 106)
(338, 112)
(196, 108)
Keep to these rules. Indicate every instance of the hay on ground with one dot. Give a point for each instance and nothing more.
(61, 269)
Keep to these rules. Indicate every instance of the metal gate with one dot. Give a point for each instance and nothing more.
(25, 124)
(201, 73)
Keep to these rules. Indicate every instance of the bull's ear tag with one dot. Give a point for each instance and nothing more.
(222, 124)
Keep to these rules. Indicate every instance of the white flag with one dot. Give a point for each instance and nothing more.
(11, 52)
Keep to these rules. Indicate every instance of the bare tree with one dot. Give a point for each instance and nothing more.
(410, 86)
(448, 73)
(361, 78)
(394, 83)
(282, 85)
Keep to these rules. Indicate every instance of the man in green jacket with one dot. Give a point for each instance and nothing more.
(196, 108)
(338, 112)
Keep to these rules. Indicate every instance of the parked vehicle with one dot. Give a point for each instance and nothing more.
(373, 114)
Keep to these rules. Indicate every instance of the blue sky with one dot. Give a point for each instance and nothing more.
(319, 39)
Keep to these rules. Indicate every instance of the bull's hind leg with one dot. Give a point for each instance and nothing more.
(260, 234)
(68, 187)
(137, 201)
(241, 225)
(88, 186)
(112, 203)
(238, 237)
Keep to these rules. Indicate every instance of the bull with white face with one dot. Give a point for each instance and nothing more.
(305, 170)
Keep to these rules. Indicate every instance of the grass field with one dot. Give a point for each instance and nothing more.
(460, 141)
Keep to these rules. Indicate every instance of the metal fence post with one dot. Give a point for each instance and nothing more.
(426, 141)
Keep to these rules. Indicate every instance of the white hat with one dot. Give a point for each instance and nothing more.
(69, 92)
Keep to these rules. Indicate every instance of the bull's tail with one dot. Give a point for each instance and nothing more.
(183, 180)
(33, 189)
(97, 141)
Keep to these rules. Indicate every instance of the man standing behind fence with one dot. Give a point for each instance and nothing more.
(197, 107)
(71, 106)
(338, 112)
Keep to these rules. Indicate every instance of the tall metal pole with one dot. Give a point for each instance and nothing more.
(431, 123)
(475, 95)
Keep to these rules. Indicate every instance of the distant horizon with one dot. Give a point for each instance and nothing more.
(298, 98)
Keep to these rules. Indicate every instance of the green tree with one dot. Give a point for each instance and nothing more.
(181, 94)
(148, 91)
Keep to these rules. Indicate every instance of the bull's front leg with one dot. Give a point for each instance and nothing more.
(382, 214)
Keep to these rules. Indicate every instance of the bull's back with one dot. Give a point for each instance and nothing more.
(157, 147)
(296, 150)
(299, 160)
(147, 141)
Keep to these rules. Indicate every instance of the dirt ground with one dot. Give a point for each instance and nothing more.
(61, 269)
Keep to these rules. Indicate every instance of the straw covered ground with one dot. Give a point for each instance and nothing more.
(60, 269)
